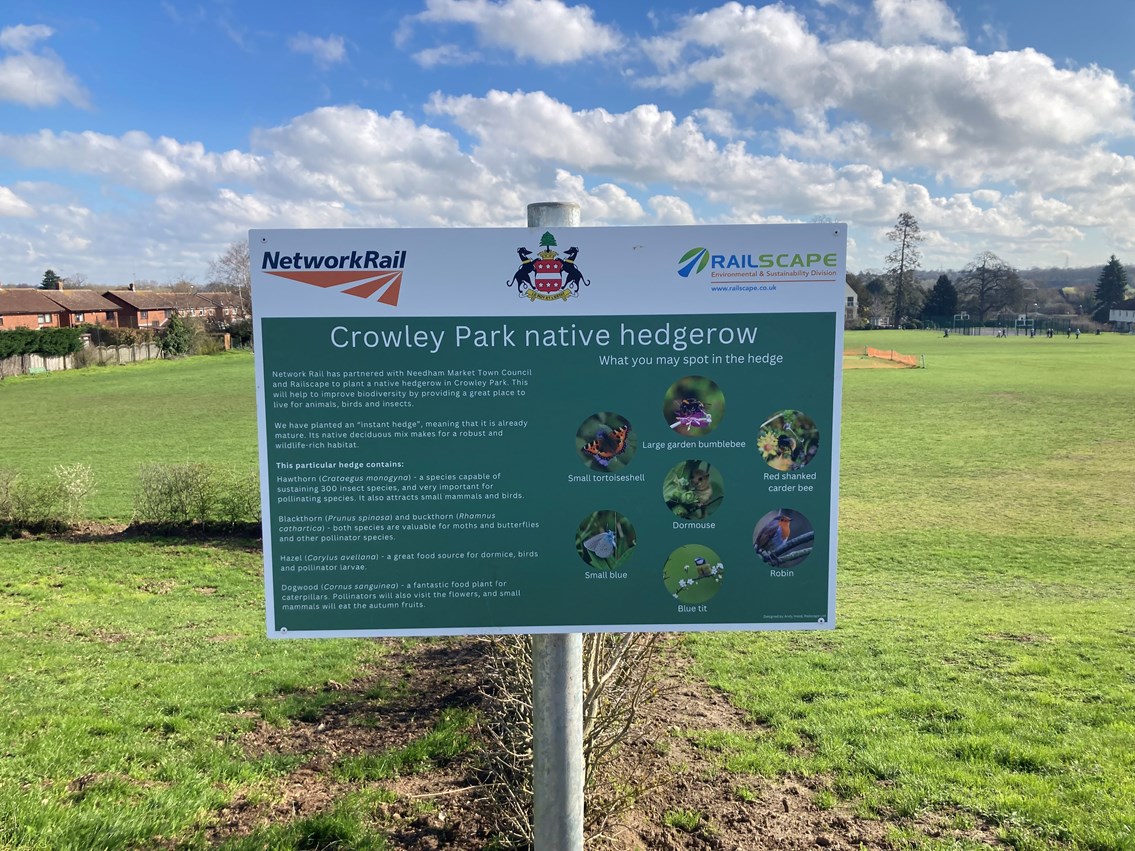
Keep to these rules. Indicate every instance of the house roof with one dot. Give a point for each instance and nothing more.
(223, 299)
(26, 301)
(78, 301)
(1125, 305)
(147, 300)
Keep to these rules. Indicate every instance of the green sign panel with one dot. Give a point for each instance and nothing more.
(474, 452)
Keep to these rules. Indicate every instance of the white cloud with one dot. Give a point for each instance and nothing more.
(35, 79)
(740, 51)
(648, 146)
(13, 205)
(994, 37)
(672, 210)
(519, 131)
(22, 38)
(720, 122)
(341, 166)
(350, 166)
(133, 160)
(966, 116)
(547, 32)
(326, 51)
(917, 21)
(446, 54)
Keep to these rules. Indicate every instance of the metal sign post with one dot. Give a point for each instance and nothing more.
(557, 690)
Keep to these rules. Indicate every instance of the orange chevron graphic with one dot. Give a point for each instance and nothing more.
(367, 282)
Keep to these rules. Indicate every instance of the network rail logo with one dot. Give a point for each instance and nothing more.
(363, 274)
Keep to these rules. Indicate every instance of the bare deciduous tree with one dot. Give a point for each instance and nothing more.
(989, 284)
(182, 285)
(901, 265)
(230, 271)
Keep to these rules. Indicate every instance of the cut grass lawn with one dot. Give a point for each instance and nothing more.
(982, 662)
(981, 670)
(117, 418)
(130, 671)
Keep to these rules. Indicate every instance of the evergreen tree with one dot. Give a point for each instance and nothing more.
(943, 300)
(1111, 289)
(51, 281)
(176, 338)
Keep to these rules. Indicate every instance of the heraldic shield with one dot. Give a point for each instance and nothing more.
(548, 275)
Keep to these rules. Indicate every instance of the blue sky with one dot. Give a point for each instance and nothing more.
(139, 139)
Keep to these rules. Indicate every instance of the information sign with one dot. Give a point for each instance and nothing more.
(549, 430)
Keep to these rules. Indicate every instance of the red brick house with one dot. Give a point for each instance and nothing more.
(84, 306)
(138, 309)
(227, 307)
(27, 308)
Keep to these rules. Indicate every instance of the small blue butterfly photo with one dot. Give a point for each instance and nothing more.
(605, 539)
(603, 544)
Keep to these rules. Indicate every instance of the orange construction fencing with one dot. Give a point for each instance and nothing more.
(897, 357)
(909, 360)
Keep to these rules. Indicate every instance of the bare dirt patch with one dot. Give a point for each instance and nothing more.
(682, 798)
(863, 362)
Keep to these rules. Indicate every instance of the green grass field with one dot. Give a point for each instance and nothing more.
(129, 670)
(981, 670)
(982, 661)
(117, 418)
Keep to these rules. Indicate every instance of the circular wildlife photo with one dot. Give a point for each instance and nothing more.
(783, 538)
(605, 539)
(693, 574)
(693, 406)
(606, 442)
(693, 490)
(788, 440)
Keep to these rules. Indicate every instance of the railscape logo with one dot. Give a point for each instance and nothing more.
(550, 275)
(698, 257)
(766, 268)
(363, 274)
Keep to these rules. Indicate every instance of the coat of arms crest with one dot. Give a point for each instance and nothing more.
(549, 275)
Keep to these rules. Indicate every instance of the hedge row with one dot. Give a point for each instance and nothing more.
(46, 341)
(168, 496)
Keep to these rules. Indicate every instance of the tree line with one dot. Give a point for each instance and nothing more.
(985, 287)
(228, 272)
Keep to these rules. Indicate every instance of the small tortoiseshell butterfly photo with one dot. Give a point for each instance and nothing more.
(606, 442)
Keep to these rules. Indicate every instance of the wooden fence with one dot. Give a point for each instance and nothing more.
(28, 364)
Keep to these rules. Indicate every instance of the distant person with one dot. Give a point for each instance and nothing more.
(946, 333)
(1077, 333)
